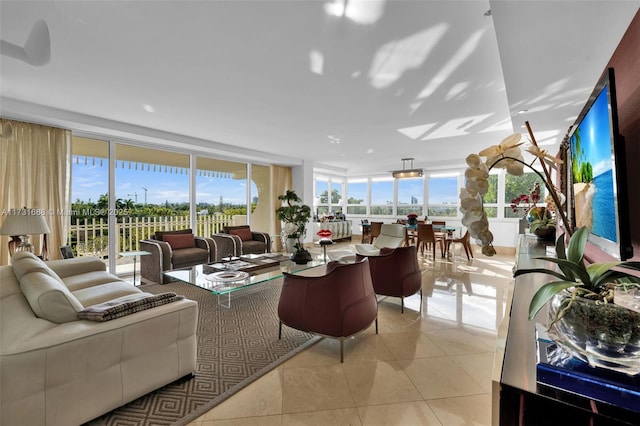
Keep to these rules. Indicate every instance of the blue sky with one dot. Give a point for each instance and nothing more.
(595, 135)
(91, 181)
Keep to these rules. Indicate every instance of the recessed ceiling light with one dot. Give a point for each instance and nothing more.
(148, 108)
(522, 111)
(334, 139)
(370, 151)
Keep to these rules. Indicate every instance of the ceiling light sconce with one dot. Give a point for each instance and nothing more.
(407, 172)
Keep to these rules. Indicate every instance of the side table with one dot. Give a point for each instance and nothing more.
(324, 243)
(135, 255)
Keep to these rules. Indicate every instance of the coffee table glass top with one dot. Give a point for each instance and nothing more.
(195, 275)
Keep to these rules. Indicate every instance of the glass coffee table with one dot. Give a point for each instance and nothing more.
(227, 282)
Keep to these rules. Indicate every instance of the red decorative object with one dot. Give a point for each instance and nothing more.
(324, 233)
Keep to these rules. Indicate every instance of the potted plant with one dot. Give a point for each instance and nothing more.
(543, 224)
(585, 316)
(295, 216)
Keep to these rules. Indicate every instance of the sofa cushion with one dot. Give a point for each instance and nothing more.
(253, 247)
(189, 257)
(25, 262)
(49, 298)
(126, 305)
(180, 241)
(101, 293)
(87, 279)
(243, 233)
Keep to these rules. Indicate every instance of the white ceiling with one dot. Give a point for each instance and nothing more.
(283, 81)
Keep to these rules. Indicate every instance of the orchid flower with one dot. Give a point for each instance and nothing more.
(507, 155)
(504, 155)
(543, 155)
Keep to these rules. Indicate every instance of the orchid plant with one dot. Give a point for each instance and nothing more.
(507, 155)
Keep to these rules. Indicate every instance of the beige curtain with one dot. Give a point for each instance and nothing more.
(281, 181)
(35, 172)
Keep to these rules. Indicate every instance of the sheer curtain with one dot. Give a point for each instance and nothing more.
(35, 172)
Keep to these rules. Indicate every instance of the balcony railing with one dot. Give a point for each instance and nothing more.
(90, 237)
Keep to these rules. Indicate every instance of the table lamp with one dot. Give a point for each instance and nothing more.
(22, 223)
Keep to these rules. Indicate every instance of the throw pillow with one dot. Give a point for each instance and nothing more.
(126, 305)
(243, 233)
(180, 241)
(49, 299)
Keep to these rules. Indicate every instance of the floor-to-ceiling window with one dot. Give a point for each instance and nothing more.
(221, 190)
(357, 198)
(89, 233)
(382, 196)
(321, 195)
(328, 196)
(514, 187)
(151, 194)
(443, 195)
(410, 196)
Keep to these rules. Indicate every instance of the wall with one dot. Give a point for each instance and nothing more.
(626, 64)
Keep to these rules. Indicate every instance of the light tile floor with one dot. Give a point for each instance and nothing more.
(423, 368)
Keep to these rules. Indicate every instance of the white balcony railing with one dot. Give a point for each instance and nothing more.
(90, 237)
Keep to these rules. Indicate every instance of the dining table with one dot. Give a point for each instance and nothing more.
(448, 233)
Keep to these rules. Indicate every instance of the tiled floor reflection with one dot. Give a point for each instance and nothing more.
(423, 368)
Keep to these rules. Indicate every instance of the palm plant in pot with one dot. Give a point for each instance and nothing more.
(295, 216)
(587, 314)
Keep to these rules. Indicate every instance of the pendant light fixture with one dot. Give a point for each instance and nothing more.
(407, 172)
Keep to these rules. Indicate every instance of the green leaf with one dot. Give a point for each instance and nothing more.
(630, 265)
(545, 293)
(560, 252)
(578, 270)
(596, 270)
(577, 243)
(540, 270)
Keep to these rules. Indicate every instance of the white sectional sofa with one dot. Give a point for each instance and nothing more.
(57, 369)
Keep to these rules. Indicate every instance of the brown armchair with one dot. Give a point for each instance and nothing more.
(396, 273)
(239, 240)
(172, 250)
(338, 304)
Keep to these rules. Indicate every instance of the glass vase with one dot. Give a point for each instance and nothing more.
(601, 334)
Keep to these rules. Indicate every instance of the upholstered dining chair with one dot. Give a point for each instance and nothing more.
(374, 232)
(466, 244)
(339, 304)
(428, 238)
(396, 273)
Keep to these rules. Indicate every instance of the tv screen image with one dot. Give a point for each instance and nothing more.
(592, 171)
(597, 172)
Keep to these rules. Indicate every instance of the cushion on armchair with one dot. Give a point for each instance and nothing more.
(180, 241)
(244, 233)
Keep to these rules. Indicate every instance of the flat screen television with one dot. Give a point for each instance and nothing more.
(597, 172)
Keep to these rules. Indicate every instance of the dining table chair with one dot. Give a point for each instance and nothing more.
(428, 238)
(374, 231)
(466, 244)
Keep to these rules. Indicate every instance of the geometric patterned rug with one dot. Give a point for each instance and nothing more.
(236, 346)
